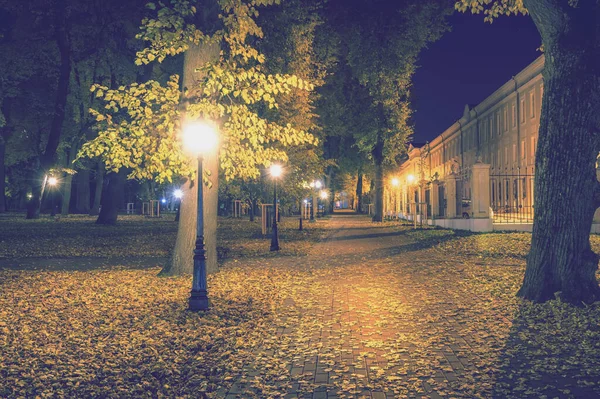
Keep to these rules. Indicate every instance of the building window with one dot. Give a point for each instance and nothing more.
(514, 155)
(514, 114)
(491, 123)
(505, 119)
(523, 149)
(497, 123)
(522, 111)
(532, 104)
(524, 187)
(506, 156)
(533, 148)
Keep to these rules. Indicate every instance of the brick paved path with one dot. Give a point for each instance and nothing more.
(375, 318)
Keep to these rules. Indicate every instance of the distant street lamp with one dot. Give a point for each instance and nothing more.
(178, 194)
(276, 172)
(315, 185)
(324, 196)
(52, 182)
(199, 138)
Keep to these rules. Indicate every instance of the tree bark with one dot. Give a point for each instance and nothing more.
(82, 200)
(2, 175)
(112, 197)
(182, 262)
(560, 258)
(378, 159)
(62, 92)
(359, 191)
(98, 191)
(251, 210)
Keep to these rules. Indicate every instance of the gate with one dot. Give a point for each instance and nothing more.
(511, 197)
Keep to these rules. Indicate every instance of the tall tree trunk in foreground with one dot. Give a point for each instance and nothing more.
(378, 159)
(67, 181)
(182, 262)
(359, 191)
(98, 192)
(567, 191)
(2, 174)
(62, 92)
(112, 197)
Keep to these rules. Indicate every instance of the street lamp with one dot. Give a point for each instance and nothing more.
(52, 182)
(178, 194)
(316, 185)
(276, 172)
(324, 196)
(199, 138)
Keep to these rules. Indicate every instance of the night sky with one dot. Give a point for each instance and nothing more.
(467, 65)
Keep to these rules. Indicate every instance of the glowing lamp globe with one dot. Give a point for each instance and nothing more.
(178, 194)
(52, 181)
(324, 194)
(276, 170)
(410, 178)
(395, 182)
(318, 184)
(200, 137)
(306, 201)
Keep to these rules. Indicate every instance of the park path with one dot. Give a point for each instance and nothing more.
(377, 316)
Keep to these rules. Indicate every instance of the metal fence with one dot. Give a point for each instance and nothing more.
(511, 197)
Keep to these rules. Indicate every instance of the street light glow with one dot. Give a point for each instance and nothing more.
(178, 194)
(276, 170)
(164, 201)
(200, 137)
(410, 178)
(52, 181)
(395, 182)
(318, 184)
(306, 201)
(324, 194)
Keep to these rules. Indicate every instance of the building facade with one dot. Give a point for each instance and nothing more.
(486, 159)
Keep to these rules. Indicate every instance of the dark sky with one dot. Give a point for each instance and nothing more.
(466, 65)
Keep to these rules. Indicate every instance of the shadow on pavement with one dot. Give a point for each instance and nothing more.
(81, 263)
(544, 356)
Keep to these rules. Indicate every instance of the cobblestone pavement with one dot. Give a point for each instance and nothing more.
(382, 316)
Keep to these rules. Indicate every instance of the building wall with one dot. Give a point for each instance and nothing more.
(501, 130)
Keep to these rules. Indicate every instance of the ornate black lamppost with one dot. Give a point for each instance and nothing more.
(276, 171)
(199, 138)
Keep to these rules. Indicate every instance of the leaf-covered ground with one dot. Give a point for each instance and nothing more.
(78, 236)
(371, 312)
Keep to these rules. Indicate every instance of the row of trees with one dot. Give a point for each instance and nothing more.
(321, 85)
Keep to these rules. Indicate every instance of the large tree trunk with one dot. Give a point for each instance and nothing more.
(99, 181)
(566, 187)
(359, 191)
(82, 200)
(251, 210)
(67, 182)
(2, 175)
(112, 197)
(378, 159)
(182, 262)
(62, 92)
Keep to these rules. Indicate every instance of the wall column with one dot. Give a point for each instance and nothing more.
(452, 195)
(434, 194)
(480, 191)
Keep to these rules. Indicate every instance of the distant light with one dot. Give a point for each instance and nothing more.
(318, 184)
(30, 196)
(164, 201)
(324, 194)
(395, 182)
(178, 194)
(410, 178)
(200, 137)
(52, 181)
(305, 201)
(276, 170)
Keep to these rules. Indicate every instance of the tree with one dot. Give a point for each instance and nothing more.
(139, 127)
(567, 191)
(380, 43)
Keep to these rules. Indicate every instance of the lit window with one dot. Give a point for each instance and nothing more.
(522, 111)
(514, 115)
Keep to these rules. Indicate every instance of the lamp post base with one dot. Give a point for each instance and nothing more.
(198, 300)
(275, 238)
